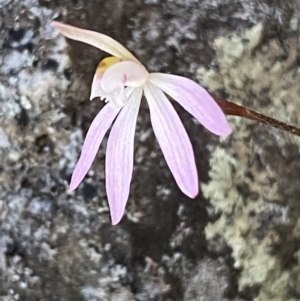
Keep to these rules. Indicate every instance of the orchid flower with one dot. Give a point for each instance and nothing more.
(121, 80)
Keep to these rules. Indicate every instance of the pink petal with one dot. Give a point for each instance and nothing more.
(194, 99)
(95, 39)
(119, 156)
(173, 140)
(93, 139)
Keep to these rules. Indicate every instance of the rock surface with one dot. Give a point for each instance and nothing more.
(238, 240)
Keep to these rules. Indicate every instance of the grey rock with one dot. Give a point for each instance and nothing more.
(56, 245)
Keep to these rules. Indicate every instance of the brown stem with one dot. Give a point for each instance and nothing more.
(230, 108)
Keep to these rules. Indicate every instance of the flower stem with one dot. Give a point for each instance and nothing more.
(230, 108)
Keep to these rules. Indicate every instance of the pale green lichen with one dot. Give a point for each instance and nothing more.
(246, 191)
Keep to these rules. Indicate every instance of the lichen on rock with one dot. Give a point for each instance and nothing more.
(254, 191)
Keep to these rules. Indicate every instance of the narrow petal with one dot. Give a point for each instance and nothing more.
(95, 39)
(93, 139)
(194, 99)
(119, 156)
(173, 140)
(124, 74)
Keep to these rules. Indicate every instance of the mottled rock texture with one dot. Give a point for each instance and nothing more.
(238, 240)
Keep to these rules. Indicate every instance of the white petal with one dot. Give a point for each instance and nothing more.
(123, 74)
(95, 39)
(96, 89)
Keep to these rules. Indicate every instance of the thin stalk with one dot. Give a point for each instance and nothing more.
(230, 108)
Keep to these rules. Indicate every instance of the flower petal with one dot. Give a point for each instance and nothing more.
(95, 39)
(96, 89)
(93, 139)
(119, 156)
(173, 140)
(116, 97)
(194, 99)
(123, 74)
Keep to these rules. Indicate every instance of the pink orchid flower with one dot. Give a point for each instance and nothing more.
(122, 81)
